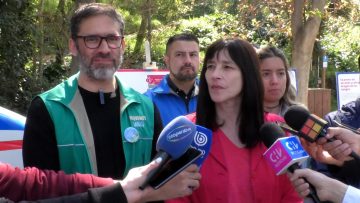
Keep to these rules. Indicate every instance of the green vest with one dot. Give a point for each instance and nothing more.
(73, 131)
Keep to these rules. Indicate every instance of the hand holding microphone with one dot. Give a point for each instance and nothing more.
(309, 126)
(174, 140)
(345, 143)
(284, 153)
(327, 188)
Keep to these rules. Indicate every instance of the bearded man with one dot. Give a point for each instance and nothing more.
(177, 92)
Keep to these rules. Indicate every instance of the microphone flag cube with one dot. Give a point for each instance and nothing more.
(285, 152)
(312, 128)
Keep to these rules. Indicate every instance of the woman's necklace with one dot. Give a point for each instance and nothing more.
(272, 107)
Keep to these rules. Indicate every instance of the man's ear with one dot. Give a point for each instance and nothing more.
(166, 60)
(72, 47)
(123, 46)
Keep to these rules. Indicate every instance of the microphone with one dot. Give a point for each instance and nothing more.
(309, 126)
(202, 142)
(173, 141)
(284, 153)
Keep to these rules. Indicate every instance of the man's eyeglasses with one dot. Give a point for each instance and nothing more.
(94, 41)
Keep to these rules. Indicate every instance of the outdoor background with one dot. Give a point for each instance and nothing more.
(34, 36)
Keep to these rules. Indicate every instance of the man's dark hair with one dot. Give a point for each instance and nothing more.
(94, 9)
(181, 37)
(251, 113)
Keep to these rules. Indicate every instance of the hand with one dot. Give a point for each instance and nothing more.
(181, 185)
(134, 179)
(327, 189)
(341, 148)
(316, 152)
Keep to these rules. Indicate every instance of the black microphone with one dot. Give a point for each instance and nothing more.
(309, 126)
(284, 153)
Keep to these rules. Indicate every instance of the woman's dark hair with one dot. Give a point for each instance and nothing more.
(251, 114)
(94, 9)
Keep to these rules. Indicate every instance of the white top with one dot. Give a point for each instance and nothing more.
(352, 195)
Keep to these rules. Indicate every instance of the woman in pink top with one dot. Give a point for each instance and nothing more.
(230, 102)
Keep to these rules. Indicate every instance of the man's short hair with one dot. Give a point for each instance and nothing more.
(94, 9)
(181, 37)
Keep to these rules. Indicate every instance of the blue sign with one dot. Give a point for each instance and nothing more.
(325, 58)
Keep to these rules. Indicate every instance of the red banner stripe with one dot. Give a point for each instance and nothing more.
(10, 145)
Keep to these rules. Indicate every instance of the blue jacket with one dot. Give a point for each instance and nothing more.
(169, 103)
(348, 115)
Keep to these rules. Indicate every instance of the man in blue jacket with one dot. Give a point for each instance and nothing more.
(349, 114)
(177, 92)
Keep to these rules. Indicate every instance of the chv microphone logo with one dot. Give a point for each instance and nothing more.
(291, 145)
(285, 152)
(276, 155)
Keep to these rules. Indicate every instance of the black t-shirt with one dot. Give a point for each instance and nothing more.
(40, 146)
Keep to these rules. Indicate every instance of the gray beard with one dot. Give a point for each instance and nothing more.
(99, 73)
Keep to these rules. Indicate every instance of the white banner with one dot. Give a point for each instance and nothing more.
(141, 79)
(347, 87)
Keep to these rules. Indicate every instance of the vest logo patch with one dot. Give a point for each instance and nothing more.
(139, 124)
(131, 134)
(138, 121)
(137, 118)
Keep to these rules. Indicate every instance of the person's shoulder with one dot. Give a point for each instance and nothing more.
(191, 117)
(150, 92)
(65, 89)
(352, 107)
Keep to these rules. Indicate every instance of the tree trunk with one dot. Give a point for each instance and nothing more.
(304, 35)
(144, 26)
(41, 42)
(140, 35)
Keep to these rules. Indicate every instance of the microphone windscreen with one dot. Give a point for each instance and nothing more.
(270, 132)
(296, 116)
(176, 137)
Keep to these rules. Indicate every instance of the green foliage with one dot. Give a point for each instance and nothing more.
(34, 36)
(207, 28)
(16, 42)
(342, 48)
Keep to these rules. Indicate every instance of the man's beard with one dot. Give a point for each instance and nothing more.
(103, 72)
(184, 77)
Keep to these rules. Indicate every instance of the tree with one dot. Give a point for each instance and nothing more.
(304, 27)
(16, 49)
(146, 11)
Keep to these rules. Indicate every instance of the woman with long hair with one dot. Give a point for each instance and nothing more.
(230, 103)
(279, 94)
